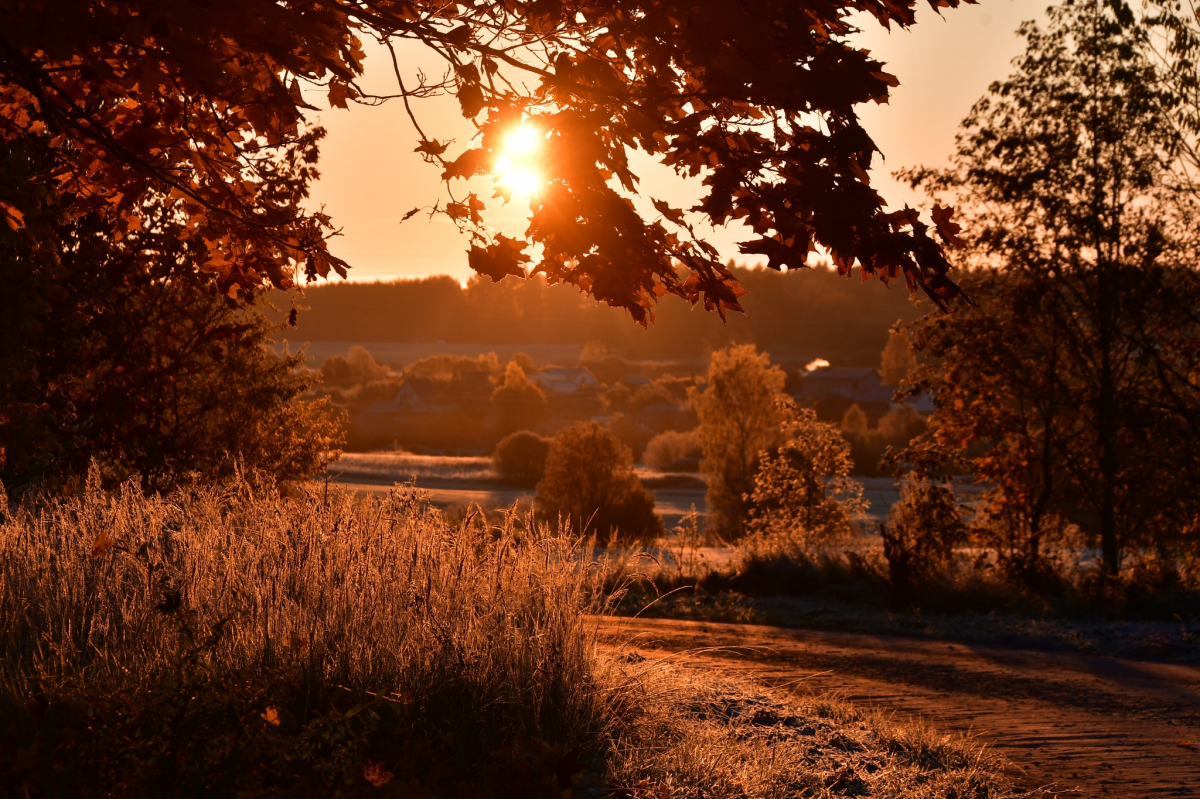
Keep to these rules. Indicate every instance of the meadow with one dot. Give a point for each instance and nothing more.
(230, 639)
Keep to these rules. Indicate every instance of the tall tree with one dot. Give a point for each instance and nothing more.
(201, 102)
(1086, 286)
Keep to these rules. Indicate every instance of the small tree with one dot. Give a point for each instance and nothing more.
(922, 530)
(740, 412)
(803, 488)
(520, 457)
(589, 480)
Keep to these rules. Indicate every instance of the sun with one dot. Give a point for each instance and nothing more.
(516, 166)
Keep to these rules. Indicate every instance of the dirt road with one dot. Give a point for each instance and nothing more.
(1103, 726)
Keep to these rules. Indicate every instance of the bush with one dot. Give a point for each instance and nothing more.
(673, 451)
(520, 457)
(803, 491)
(922, 530)
(590, 481)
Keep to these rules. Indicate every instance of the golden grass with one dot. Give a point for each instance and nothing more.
(486, 626)
(360, 634)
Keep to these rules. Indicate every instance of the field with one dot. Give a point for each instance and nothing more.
(224, 640)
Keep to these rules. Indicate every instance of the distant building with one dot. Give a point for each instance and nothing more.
(833, 389)
(859, 383)
(561, 380)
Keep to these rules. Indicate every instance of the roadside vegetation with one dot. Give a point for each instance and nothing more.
(229, 640)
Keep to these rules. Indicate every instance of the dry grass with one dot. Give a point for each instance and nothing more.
(719, 737)
(226, 640)
(478, 633)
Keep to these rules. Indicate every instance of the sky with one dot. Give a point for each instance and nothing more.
(370, 177)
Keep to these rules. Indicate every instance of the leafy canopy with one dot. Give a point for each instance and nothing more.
(201, 103)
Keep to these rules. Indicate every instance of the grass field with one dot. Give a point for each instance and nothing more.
(231, 641)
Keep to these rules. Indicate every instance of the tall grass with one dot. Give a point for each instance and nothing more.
(472, 632)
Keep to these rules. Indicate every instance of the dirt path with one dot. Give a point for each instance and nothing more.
(1100, 725)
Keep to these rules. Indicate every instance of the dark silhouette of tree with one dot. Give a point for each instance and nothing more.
(200, 104)
(115, 350)
(589, 481)
(1069, 387)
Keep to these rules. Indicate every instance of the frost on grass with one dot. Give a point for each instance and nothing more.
(724, 738)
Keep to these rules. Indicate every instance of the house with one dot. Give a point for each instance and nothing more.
(857, 383)
(562, 380)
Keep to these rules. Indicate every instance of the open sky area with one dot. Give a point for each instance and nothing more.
(372, 177)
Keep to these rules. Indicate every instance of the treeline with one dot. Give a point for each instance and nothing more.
(793, 315)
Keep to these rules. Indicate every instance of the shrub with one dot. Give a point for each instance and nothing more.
(590, 481)
(803, 489)
(921, 532)
(520, 457)
(673, 451)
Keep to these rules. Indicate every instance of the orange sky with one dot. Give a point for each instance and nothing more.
(371, 177)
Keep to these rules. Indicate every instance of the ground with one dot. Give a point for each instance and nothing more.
(1088, 725)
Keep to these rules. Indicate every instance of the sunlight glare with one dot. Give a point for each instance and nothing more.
(515, 168)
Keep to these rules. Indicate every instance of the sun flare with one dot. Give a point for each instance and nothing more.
(516, 167)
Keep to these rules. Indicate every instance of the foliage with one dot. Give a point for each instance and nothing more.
(355, 368)
(1070, 386)
(898, 359)
(520, 457)
(740, 415)
(802, 491)
(114, 350)
(673, 451)
(921, 532)
(205, 104)
(589, 481)
(517, 403)
(226, 640)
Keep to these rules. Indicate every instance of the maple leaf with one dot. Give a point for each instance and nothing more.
(471, 162)
(431, 147)
(340, 93)
(102, 545)
(270, 716)
(499, 260)
(946, 228)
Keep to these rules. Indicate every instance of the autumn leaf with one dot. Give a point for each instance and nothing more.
(472, 162)
(377, 775)
(340, 93)
(947, 229)
(431, 147)
(102, 545)
(470, 97)
(499, 260)
(14, 218)
(270, 716)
